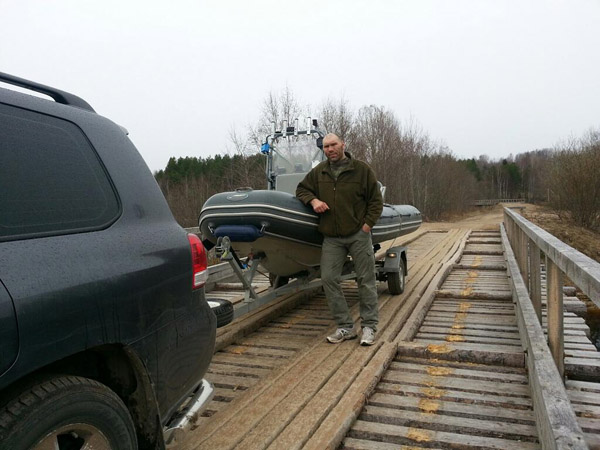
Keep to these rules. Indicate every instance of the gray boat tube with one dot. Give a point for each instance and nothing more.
(280, 229)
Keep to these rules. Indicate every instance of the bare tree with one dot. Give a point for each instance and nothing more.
(337, 117)
(575, 181)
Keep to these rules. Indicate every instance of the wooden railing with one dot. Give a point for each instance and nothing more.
(495, 201)
(531, 244)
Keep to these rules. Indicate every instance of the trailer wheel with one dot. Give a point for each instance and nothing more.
(396, 280)
(223, 309)
(67, 412)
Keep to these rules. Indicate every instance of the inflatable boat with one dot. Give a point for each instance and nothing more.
(275, 226)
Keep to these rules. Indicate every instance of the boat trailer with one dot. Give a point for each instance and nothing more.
(390, 267)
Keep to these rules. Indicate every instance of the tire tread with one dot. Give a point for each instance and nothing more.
(22, 405)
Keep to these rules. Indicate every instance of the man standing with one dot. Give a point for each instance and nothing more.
(345, 193)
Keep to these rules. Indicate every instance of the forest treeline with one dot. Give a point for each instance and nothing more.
(414, 168)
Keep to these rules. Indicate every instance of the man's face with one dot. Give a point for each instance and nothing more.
(333, 148)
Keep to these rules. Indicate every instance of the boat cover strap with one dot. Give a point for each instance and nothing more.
(239, 233)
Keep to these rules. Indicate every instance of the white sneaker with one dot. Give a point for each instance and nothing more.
(368, 336)
(340, 335)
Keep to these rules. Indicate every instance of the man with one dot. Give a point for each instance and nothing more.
(344, 192)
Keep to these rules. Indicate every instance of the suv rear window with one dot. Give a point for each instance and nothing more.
(51, 180)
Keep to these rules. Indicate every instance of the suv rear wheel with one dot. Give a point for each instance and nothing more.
(67, 412)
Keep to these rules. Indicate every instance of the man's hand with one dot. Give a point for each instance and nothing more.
(318, 206)
(366, 228)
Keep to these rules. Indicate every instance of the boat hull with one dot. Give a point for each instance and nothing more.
(282, 231)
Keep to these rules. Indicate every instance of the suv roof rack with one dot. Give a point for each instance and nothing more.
(59, 96)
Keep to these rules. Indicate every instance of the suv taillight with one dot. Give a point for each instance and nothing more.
(199, 262)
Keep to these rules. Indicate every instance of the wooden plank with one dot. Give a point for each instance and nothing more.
(472, 307)
(421, 309)
(584, 398)
(407, 436)
(363, 444)
(489, 354)
(434, 368)
(583, 410)
(582, 354)
(475, 398)
(583, 386)
(246, 361)
(583, 369)
(235, 422)
(236, 370)
(425, 289)
(470, 332)
(344, 360)
(477, 318)
(304, 424)
(475, 367)
(438, 422)
(334, 427)
(231, 382)
(467, 385)
(259, 351)
(458, 337)
(466, 265)
(454, 408)
(589, 425)
(439, 322)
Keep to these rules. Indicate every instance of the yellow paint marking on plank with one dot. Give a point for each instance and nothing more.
(439, 371)
(464, 307)
(428, 406)
(443, 348)
(289, 323)
(239, 350)
(433, 392)
(472, 277)
(455, 338)
(457, 327)
(417, 435)
(460, 317)
(478, 261)
(467, 292)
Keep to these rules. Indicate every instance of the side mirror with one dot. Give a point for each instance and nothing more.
(320, 142)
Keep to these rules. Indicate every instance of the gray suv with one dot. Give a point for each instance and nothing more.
(105, 331)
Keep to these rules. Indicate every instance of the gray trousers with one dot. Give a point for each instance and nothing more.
(333, 256)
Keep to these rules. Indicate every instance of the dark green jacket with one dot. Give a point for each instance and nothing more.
(353, 199)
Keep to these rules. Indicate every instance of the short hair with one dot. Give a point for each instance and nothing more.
(328, 135)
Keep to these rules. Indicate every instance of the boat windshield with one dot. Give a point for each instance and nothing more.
(295, 154)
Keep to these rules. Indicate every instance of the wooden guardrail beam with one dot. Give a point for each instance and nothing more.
(581, 269)
(555, 419)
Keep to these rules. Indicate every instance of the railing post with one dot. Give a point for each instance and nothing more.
(535, 279)
(524, 255)
(554, 298)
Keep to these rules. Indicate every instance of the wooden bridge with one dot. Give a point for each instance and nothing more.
(461, 358)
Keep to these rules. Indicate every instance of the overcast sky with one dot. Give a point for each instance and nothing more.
(483, 77)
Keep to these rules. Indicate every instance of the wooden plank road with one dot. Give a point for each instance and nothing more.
(305, 376)
(448, 369)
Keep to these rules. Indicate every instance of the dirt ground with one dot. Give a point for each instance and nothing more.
(584, 240)
(485, 218)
